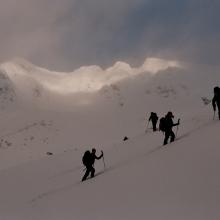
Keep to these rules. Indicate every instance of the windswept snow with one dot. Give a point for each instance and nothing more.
(43, 139)
(84, 79)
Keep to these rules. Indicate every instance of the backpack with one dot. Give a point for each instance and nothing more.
(162, 125)
(86, 158)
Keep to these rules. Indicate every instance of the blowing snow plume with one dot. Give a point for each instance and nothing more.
(86, 79)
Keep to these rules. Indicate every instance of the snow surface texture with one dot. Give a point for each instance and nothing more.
(49, 119)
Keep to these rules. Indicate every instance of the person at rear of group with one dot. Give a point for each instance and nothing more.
(153, 118)
(216, 100)
(168, 128)
(88, 161)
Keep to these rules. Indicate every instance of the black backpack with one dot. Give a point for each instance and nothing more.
(162, 125)
(86, 158)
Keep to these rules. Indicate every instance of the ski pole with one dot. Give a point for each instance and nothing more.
(147, 127)
(103, 159)
(177, 128)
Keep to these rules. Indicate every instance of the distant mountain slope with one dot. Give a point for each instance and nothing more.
(7, 92)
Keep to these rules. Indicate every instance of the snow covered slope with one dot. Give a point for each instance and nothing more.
(44, 137)
(7, 92)
(46, 119)
(142, 180)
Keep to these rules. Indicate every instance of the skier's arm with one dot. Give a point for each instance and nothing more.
(150, 118)
(177, 123)
(97, 158)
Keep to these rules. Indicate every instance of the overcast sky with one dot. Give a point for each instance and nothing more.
(64, 35)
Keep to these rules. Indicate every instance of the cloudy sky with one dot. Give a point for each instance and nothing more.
(64, 35)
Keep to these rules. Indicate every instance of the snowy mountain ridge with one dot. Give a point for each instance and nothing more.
(7, 92)
(84, 79)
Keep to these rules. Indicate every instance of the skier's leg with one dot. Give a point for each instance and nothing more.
(92, 172)
(172, 135)
(218, 104)
(86, 173)
(167, 134)
(154, 126)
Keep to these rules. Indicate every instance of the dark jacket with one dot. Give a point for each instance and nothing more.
(169, 123)
(153, 117)
(216, 100)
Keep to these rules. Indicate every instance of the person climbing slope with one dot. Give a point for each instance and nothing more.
(216, 100)
(153, 118)
(88, 161)
(168, 125)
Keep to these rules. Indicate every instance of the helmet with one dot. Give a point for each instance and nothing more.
(170, 114)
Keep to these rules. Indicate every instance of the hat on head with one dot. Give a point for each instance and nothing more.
(170, 114)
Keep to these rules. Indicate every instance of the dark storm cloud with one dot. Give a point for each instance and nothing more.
(66, 34)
